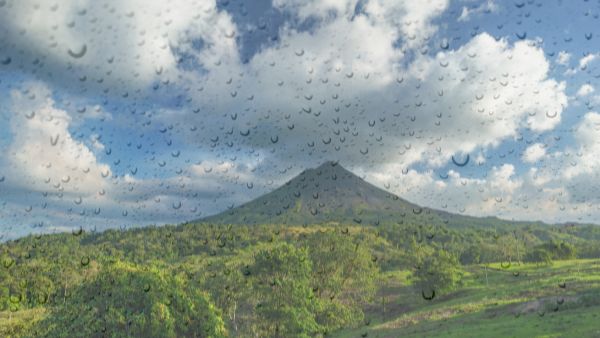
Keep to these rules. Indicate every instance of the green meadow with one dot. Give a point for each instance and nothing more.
(523, 300)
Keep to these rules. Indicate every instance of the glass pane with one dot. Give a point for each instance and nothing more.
(284, 168)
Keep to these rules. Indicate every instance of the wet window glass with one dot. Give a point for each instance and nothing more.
(299, 168)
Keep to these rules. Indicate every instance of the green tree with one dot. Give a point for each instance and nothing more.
(230, 287)
(437, 272)
(124, 299)
(344, 278)
(539, 255)
(561, 250)
(281, 279)
(472, 255)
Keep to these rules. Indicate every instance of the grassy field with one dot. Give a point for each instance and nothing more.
(561, 300)
(12, 324)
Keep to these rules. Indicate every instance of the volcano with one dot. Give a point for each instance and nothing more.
(330, 193)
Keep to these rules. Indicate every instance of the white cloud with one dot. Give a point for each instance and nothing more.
(537, 195)
(317, 8)
(584, 160)
(44, 154)
(534, 153)
(413, 18)
(226, 171)
(480, 94)
(350, 62)
(56, 182)
(342, 90)
(585, 90)
(95, 141)
(563, 58)
(586, 60)
(124, 43)
(331, 92)
(410, 18)
(464, 15)
(574, 172)
(498, 193)
(487, 7)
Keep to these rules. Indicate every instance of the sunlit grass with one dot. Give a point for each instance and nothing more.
(520, 300)
(13, 324)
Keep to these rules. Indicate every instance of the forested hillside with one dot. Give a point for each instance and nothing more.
(207, 280)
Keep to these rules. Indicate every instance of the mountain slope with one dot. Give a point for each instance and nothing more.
(330, 193)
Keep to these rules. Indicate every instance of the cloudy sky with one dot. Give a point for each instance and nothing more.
(120, 113)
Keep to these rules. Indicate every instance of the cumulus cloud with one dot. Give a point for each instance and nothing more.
(585, 159)
(316, 8)
(332, 72)
(43, 152)
(51, 180)
(585, 90)
(499, 193)
(411, 18)
(586, 60)
(111, 44)
(486, 7)
(534, 153)
(317, 100)
(565, 185)
(329, 93)
(380, 118)
(563, 58)
(349, 80)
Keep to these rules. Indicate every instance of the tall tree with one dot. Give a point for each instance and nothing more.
(282, 284)
(125, 299)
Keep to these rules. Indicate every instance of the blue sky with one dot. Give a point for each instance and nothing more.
(128, 113)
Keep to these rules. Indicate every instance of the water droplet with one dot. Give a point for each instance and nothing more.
(230, 34)
(521, 35)
(15, 298)
(428, 296)
(42, 298)
(54, 140)
(78, 53)
(461, 163)
(8, 261)
(444, 44)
